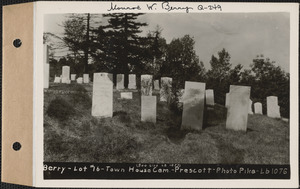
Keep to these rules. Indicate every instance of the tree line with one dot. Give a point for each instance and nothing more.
(118, 47)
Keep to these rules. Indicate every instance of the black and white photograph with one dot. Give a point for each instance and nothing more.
(169, 93)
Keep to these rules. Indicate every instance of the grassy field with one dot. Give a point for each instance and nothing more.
(71, 134)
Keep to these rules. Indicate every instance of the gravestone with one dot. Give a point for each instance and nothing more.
(102, 103)
(65, 74)
(250, 107)
(126, 95)
(131, 81)
(148, 109)
(180, 95)
(79, 80)
(56, 79)
(227, 100)
(166, 88)
(193, 105)
(86, 78)
(46, 66)
(73, 77)
(237, 113)
(209, 97)
(120, 81)
(258, 108)
(156, 84)
(146, 85)
(273, 110)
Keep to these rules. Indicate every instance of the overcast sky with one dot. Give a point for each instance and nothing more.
(243, 35)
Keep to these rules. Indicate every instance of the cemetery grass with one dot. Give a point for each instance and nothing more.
(71, 134)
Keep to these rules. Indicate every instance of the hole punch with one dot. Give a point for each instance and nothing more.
(17, 43)
(17, 146)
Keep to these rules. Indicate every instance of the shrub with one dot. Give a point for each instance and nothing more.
(60, 109)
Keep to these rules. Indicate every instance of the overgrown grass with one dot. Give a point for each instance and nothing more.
(124, 138)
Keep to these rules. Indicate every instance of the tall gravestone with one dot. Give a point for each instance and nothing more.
(250, 107)
(46, 66)
(166, 88)
(86, 78)
(193, 105)
(156, 84)
(148, 109)
(65, 74)
(120, 81)
(273, 110)
(258, 108)
(237, 113)
(146, 85)
(227, 100)
(131, 81)
(102, 103)
(209, 97)
(73, 77)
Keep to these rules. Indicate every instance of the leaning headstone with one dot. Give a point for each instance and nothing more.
(65, 74)
(131, 81)
(102, 103)
(258, 108)
(209, 97)
(79, 80)
(120, 81)
(250, 107)
(126, 95)
(273, 110)
(86, 78)
(166, 88)
(46, 66)
(227, 100)
(193, 105)
(148, 109)
(146, 85)
(237, 113)
(156, 84)
(57, 79)
(73, 77)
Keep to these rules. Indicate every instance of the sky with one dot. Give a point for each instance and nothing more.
(243, 35)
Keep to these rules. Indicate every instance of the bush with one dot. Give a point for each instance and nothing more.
(60, 109)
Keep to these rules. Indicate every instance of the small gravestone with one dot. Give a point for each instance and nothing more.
(166, 88)
(131, 81)
(250, 107)
(227, 100)
(156, 84)
(56, 79)
(65, 74)
(146, 85)
(120, 81)
(102, 103)
(126, 95)
(258, 108)
(148, 109)
(79, 80)
(73, 77)
(46, 66)
(209, 97)
(86, 78)
(193, 105)
(273, 110)
(237, 113)
(180, 95)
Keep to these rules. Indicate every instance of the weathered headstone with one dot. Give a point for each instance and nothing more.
(166, 88)
(65, 74)
(120, 81)
(193, 105)
(273, 110)
(148, 109)
(237, 113)
(73, 77)
(126, 95)
(209, 97)
(227, 100)
(79, 80)
(258, 108)
(250, 107)
(146, 85)
(131, 81)
(102, 103)
(56, 79)
(46, 66)
(156, 84)
(180, 95)
(86, 78)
